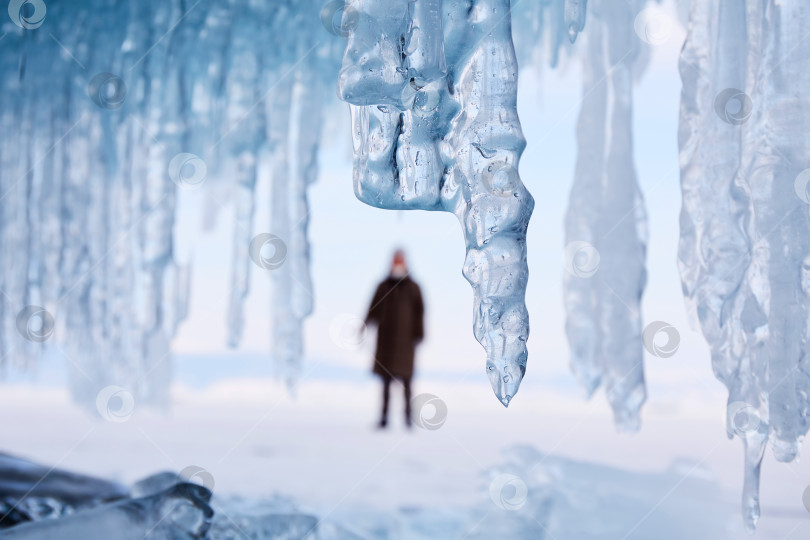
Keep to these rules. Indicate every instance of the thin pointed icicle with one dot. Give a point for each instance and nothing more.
(247, 131)
(451, 143)
(606, 224)
(293, 296)
(575, 17)
(305, 138)
(285, 329)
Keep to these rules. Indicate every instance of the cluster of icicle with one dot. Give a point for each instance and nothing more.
(432, 89)
(605, 225)
(110, 108)
(745, 223)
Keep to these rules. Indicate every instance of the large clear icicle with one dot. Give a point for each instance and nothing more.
(436, 128)
(606, 222)
(246, 129)
(745, 221)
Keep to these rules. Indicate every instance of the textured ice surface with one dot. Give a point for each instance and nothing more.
(605, 225)
(30, 492)
(586, 501)
(40, 503)
(744, 224)
(529, 495)
(278, 526)
(432, 91)
(179, 513)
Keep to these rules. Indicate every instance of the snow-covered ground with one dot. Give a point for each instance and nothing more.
(678, 478)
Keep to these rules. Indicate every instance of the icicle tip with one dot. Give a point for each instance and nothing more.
(504, 383)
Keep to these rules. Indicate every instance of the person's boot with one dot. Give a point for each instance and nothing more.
(383, 424)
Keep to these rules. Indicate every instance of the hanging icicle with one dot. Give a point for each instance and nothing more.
(745, 222)
(606, 222)
(432, 87)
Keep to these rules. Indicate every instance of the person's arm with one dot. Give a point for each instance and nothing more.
(373, 315)
(419, 314)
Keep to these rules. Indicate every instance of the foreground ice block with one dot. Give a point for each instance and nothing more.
(179, 513)
(30, 492)
(432, 90)
(278, 526)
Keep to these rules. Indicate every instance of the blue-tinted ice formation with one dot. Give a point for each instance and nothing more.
(432, 88)
(532, 495)
(605, 225)
(103, 128)
(744, 253)
(106, 128)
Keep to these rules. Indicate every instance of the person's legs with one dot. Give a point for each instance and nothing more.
(386, 380)
(406, 384)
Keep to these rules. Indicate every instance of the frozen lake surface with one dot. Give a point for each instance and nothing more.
(550, 464)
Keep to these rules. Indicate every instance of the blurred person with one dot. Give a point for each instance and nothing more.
(398, 311)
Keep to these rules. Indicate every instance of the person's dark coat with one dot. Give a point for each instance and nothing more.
(397, 310)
